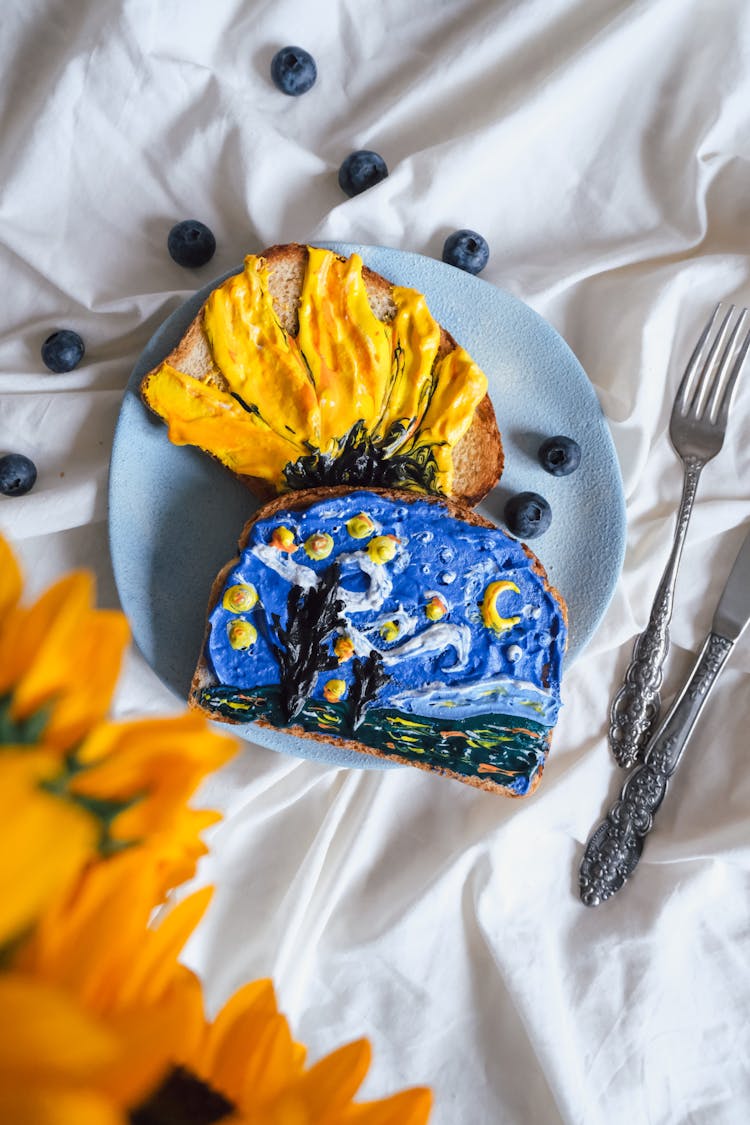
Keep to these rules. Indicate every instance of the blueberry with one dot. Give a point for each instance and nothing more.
(17, 474)
(293, 71)
(467, 250)
(191, 243)
(527, 515)
(62, 351)
(560, 455)
(361, 170)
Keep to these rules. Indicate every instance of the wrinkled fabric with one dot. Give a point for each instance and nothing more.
(602, 148)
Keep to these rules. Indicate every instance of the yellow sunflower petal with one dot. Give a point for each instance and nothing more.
(11, 581)
(97, 942)
(154, 967)
(410, 1107)
(82, 677)
(188, 734)
(59, 1107)
(46, 1037)
(270, 1066)
(63, 654)
(257, 997)
(176, 847)
(248, 1054)
(161, 807)
(11, 642)
(229, 1040)
(97, 945)
(29, 629)
(180, 846)
(154, 1038)
(87, 939)
(46, 842)
(332, 1083)
(159, 761)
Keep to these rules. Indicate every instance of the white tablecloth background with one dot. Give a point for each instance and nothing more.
(603, 149)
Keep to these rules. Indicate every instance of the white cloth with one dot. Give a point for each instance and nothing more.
(602, 148)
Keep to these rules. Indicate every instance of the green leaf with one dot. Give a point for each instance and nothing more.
(24, 732)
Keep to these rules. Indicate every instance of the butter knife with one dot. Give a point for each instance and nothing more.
(614, 848)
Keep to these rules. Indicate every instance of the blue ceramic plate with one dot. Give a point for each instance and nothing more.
(175, 515)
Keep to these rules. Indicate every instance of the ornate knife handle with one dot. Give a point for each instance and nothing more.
(635, 708)
(615, 846)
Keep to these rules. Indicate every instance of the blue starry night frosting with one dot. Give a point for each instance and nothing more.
(395, 625)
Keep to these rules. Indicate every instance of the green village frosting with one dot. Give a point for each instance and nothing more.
(398, 626)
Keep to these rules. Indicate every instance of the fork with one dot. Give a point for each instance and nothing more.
(696, 429)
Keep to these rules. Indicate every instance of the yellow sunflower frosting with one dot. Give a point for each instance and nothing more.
(350, 399)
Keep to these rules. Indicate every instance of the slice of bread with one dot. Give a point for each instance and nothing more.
(477, 456)
(402, 626)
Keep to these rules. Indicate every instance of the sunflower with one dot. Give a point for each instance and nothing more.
(74, 785)
(72, 1030)
(114, 986)
(102, 1023)
(269, 1084)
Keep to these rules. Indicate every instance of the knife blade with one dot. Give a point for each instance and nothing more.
(614, 848)
(733, 611)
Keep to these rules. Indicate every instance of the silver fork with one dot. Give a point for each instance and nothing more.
(696, 429)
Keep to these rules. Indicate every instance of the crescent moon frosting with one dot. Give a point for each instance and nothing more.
(490, 614)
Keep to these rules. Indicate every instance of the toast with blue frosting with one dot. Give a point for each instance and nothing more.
(401, 626)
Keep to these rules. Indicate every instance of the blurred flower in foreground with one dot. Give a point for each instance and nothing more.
(102, 1024)
(75, 786)
(101, 1007)
(269, 1084)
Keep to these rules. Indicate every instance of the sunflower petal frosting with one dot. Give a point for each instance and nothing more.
(416, 340)
(350, 398)
(201, 414)
(243, 330)
(346, 347)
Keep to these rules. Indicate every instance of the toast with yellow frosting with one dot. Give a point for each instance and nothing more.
(401, 626)
(307, 369)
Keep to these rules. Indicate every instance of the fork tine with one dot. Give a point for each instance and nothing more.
(697, 400)
(726, 399)
(717, 390)
(694, 362)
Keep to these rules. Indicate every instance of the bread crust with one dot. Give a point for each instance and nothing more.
(298, 501)
(478, 457)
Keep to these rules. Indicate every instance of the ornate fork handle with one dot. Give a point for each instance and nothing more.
(635, 708)
(615, 847)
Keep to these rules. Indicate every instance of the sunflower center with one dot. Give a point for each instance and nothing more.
(182, 1099)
